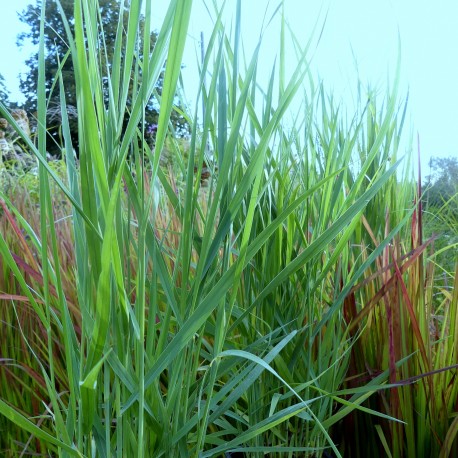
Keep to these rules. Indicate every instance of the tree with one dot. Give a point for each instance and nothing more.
(441, 210)
(55, 49)
(4, 93)
(442, 183)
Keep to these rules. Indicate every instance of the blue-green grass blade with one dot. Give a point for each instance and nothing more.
(42, 160)
(27, 425)
(172, 71)
(236, 387)
(327, 236)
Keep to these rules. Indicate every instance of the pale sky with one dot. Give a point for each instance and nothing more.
(360, 40)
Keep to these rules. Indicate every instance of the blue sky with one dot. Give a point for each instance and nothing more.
(360, 40)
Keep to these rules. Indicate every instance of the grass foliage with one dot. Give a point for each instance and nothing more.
(286, 308)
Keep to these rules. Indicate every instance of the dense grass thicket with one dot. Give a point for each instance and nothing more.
(265, 290)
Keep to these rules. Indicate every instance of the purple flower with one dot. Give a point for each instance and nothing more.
(152, 129)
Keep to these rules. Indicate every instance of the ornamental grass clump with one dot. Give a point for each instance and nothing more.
(200, 322)
(400, 320)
